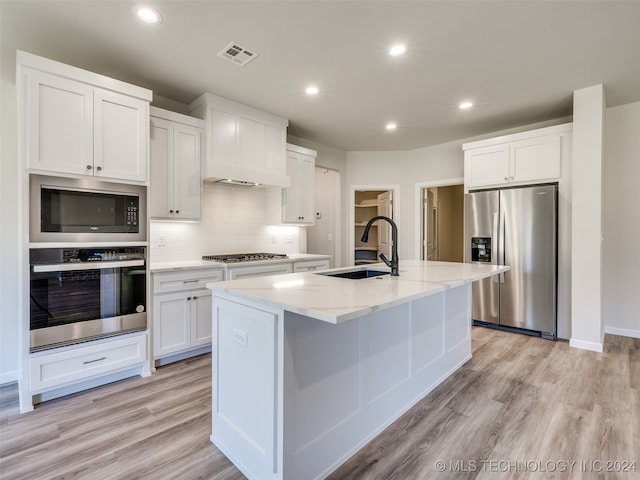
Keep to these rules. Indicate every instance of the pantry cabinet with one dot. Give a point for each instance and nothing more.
(81, 123)
(175, 156)
(182, 311)
(242, 143)
(295, 205)
(524, 158)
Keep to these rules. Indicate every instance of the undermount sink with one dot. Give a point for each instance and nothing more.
(357, 274)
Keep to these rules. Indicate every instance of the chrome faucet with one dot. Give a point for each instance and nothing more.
(393, 263)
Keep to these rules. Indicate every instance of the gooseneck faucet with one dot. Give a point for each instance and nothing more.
(393, 263)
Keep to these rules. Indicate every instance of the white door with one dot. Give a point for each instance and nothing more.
(161, 185)
(59, 125)
(385, 207)
(121, 133)
(186, 168)
(201, 318)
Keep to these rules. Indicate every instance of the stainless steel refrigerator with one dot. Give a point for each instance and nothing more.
(515, 227)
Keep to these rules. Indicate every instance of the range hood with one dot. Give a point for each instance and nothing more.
(243, 145)
(236, 183)
(239, 176)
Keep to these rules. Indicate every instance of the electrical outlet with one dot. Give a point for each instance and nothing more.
(162, 240)
(240, 337)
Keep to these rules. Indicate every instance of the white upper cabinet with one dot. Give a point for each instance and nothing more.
(242, 143)
(295, 205)
(176, 183)
(81, 123)
(522, 158)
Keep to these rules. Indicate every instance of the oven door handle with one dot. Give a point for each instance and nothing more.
(67, 267)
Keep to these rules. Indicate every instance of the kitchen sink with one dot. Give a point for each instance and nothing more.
(357, 274)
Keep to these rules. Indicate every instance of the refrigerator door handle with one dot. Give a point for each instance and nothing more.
(495, 239)
(501, 244)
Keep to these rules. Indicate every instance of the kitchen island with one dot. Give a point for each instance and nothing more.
(308, 368)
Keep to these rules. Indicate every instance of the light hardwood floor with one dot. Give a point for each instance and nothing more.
(519, 409)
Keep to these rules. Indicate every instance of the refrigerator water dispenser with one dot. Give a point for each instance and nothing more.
(481, 249)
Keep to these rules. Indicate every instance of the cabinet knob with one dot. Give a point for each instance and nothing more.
(188, 298)
(89, 167)
(177, 211)
(195, 298)
(98, 168)
(506, 178)
(171, 211)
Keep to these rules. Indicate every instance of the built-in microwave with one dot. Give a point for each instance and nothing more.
(85, 210)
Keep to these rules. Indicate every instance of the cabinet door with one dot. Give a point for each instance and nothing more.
(121, 136)
(307, 193)
(201, 321)
(171, 323)
(161, 184)
(486, 166)
(298, 199)
(58, 124)
(535, 159)
(291, 205)
(186, 168)
(223, 137)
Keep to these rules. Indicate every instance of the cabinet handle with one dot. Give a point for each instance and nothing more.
(189, 299)
(93, 361)
(195, 298)
(89, 167)
(177, 211)
(189, 281)
(98, 168)
(506, 178)
(511, 177)
(170, 211)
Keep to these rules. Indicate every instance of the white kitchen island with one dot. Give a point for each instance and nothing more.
(308, 368)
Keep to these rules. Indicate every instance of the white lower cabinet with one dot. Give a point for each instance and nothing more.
(235, 273)
(53, 370)
(182, 311)
(310, 265)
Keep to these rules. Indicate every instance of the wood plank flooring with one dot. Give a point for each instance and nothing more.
(522, 408)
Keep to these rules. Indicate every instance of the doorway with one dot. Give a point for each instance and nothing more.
(442, 223)
(368, 204)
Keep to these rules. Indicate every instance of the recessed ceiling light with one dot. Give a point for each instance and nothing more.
(397, 50)
(148, 15)
(311, 90)
(465, 105)
(391, 126)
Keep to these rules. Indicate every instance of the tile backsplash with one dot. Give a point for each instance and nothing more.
(233, 221)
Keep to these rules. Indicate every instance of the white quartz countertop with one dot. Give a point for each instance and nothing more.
(336, 300)
(194, 264)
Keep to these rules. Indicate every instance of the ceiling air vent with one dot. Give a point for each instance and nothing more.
(237, 54)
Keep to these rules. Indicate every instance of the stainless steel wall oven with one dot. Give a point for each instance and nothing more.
(82, 294)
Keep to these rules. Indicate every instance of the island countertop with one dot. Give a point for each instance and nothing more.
(336, 300)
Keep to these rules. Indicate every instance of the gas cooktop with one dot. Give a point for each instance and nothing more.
(244, 257)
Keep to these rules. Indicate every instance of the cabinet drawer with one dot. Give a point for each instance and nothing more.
(58, 369)
(185, 280)
(310, 265)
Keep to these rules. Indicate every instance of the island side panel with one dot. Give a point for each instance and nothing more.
(247, 386)
(345, 383)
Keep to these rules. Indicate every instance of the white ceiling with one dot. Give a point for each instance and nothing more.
(519, 62)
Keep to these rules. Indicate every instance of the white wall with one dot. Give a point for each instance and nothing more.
(621, 265)
(9, 239)
(587, 330)
(233, 221)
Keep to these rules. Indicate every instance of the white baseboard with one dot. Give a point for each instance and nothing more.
(9, 377)
(593, 346)
(624, 332)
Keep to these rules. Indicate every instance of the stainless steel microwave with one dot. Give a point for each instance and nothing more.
(86, 210)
